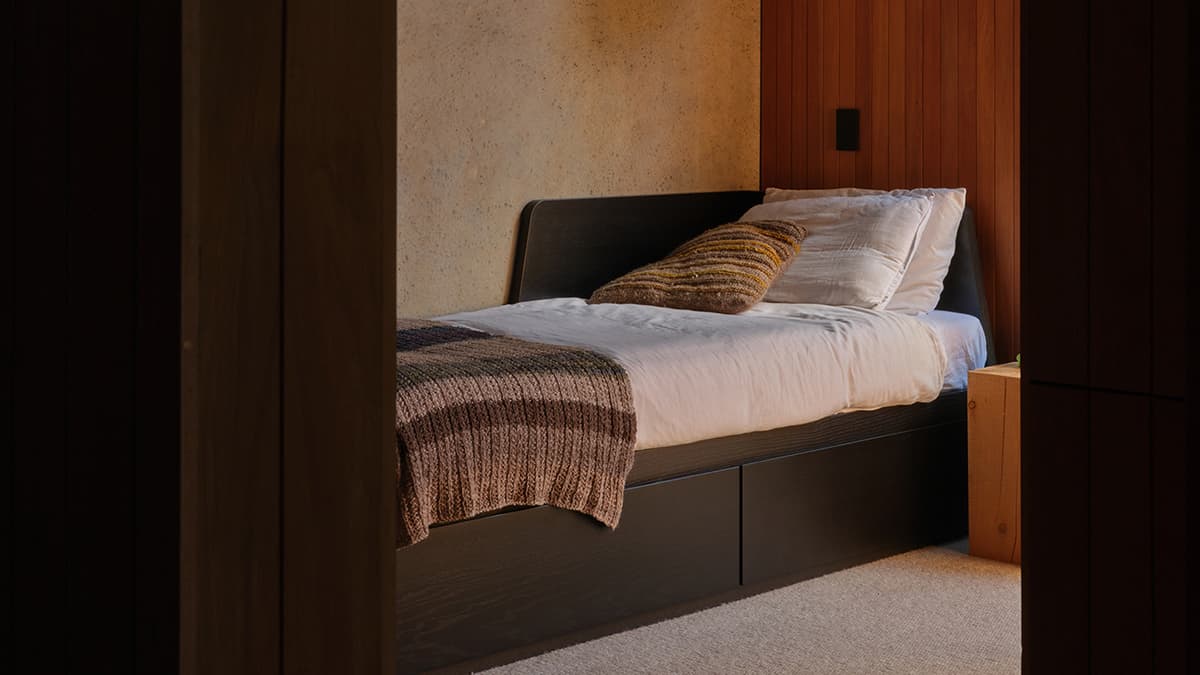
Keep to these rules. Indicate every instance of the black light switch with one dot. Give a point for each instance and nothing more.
(847, 129)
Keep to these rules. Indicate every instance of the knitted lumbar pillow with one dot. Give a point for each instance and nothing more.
(726, 269)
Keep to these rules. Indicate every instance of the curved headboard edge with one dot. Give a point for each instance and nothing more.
(963, 290)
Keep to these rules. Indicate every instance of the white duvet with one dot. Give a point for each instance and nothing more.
(698, 375)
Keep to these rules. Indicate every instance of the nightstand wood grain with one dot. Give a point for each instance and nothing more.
(994, 462)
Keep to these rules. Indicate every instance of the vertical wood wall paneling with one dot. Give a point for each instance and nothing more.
(847, 32)
(863, 78)
(1015, 328)
(967, 114)
(897, 83)
(931, 93)
(231, 442)
(830, 41)
(769, 152)
(985, 139)
(800, 37)
(819, 48)
(1121, 178)
(938, 84)
(339, 200)
(949, 92)
(783, 86)
(878, 116)
(1006, 275)
(914, 37)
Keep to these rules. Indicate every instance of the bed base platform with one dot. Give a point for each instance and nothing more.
(702, 523)
(523, 577)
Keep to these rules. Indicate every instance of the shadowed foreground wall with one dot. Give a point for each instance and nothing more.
(504, 102)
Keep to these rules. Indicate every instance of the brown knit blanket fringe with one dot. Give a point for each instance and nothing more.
(486, 421)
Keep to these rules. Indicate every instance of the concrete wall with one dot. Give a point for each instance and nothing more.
(504, 102)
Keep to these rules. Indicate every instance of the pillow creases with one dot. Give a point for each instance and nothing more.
(857, 247)
(726, 269)
(921, 286)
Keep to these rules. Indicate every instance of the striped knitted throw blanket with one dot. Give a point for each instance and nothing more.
(486, 421)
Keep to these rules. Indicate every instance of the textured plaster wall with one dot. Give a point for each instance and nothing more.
(501, 102)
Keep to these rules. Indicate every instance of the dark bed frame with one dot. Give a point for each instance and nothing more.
(704, 522)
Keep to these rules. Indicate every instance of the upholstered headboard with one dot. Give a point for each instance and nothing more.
(570, 247)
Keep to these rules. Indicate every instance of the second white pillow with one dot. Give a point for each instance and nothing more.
(856, 252)
(921, 287)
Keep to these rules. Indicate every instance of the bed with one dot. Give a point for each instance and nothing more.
(713, 509)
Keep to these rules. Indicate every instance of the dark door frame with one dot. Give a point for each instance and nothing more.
(289, 141)
(198, 277)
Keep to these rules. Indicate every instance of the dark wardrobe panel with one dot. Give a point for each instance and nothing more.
(1054, 194)
(1055, 517)
(1170, 198)
(1119, 530)
(1169, 459)
(1121, 213)
(1106, 498)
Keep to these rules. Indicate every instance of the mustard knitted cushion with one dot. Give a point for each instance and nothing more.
(726, 269)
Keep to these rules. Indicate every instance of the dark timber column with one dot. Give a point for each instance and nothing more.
(339, 251)
(289, 243)
(230, 553)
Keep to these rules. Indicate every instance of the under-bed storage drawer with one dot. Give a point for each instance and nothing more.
(811, 513)
(482, 586)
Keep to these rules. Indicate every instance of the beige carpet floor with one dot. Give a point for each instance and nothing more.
(935, 610)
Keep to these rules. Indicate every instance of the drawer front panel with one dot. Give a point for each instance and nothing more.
(816, 512)
(485, 585)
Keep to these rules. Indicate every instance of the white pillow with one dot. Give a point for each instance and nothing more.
(856, 250)
(922, 284)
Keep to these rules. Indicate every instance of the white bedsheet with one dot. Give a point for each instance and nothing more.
(963, 342)
(698, 375)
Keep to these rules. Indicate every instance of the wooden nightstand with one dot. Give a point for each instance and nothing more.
(994, 462)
